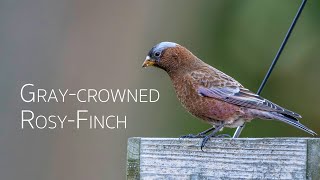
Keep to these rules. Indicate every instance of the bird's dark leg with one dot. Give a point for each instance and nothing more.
(200, 135)
(206, 138)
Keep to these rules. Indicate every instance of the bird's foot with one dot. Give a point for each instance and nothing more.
(206, 139)
(200, 135)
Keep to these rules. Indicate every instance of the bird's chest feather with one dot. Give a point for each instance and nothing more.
(206, 108)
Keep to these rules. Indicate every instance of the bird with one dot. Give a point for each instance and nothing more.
(213, 96)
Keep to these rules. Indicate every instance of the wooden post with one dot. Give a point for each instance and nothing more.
(242, 158)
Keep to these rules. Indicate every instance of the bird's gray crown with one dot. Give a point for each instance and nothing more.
(156, 50)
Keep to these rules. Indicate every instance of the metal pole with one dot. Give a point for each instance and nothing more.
(284, 42)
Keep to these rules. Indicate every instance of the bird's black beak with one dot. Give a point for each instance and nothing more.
(148, 62)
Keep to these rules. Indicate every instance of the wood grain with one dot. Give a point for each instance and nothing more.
(242, 158)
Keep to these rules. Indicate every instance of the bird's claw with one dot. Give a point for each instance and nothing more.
(188, 136)
(206, 139)
(193, 136)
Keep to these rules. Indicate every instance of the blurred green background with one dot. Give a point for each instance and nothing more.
(102, 44)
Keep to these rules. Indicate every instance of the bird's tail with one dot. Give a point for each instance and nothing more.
(293, 121)
(285, 118)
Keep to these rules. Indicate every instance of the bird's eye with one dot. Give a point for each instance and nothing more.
(157, 54)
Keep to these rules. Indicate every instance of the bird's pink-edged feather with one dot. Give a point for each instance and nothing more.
(229, 90)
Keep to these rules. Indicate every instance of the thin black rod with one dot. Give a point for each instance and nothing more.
(284, 42)
(274, 62)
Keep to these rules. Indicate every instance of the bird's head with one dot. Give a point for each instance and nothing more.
(169, 56)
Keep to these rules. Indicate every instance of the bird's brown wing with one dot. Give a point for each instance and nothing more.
(215, 84)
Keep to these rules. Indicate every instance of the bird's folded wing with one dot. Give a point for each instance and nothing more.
(234, 93)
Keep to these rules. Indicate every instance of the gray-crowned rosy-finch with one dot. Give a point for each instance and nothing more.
(211, 95)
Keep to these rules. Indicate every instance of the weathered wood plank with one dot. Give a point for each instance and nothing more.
(133, 158)
(243, 158)
(313, 159)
